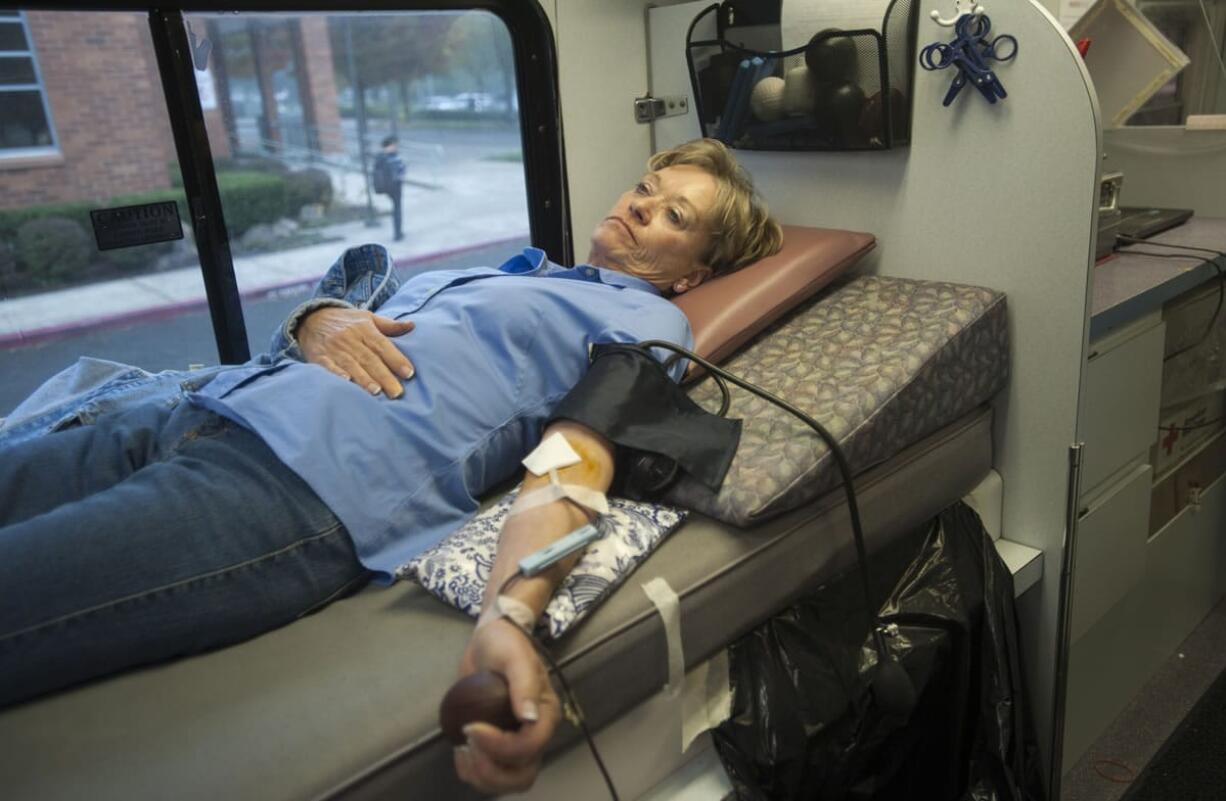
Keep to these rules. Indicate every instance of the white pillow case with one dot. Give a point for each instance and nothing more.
(457, 569)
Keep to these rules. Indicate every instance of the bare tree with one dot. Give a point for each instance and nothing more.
(393, 50)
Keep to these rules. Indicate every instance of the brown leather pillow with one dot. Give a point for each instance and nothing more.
(728, 311)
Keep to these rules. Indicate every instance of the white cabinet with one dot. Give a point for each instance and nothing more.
(1183, 576)
(1110, 559)
(1118, 423)
(1123, 385)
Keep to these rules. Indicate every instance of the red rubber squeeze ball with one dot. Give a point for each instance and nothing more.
(482, 696)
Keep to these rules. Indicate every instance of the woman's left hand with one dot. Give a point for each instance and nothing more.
(356, 345)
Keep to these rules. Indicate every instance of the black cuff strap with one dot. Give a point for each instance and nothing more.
(628, 397)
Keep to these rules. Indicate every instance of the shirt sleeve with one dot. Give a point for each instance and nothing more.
(662, 321)
(361, 278)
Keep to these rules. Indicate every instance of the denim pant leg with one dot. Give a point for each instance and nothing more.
(43, 473)
(210, 541)
(397, 211)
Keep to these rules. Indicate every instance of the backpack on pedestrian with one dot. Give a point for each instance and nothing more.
(383, 178)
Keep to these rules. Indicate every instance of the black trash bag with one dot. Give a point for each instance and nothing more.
(804, 724)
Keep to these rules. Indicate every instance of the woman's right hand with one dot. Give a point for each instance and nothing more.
(493, 760)
(356, 345)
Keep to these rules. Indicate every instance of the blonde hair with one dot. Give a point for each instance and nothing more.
(742, 230)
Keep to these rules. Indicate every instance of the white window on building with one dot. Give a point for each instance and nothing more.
(25, 119)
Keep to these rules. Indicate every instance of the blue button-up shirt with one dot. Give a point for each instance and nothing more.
(494, 351)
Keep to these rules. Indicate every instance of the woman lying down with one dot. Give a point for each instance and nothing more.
(162, 530)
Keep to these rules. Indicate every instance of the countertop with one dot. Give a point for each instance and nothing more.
(1132, 282)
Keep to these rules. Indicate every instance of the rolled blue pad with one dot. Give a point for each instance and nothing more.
(758, 69)
(739, 89)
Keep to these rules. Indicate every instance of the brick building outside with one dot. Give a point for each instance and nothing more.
(104, 130)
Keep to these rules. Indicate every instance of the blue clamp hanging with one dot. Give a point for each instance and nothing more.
(970, 52)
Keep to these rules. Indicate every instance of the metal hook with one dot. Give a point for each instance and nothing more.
(959, 13)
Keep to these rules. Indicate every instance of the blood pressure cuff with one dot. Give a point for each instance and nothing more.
(629, 398)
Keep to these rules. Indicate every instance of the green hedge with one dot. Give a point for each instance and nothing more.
(311, 185)
(53, 248)
(41, 246)
(250, 198)
(247, 197)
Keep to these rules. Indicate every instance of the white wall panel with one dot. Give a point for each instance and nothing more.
(669, 74)
(602, 65)
(1166, 166)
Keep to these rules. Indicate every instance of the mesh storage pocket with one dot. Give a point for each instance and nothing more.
(842, 90)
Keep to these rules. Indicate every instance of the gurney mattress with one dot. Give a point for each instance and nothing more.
(880, 362)
(343, 703)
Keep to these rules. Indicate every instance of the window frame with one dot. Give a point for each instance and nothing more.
(540, 120)
(31, 53)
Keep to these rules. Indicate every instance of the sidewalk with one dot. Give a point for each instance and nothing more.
(476, 203)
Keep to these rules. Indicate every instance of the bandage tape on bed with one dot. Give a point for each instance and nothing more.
(703, 695)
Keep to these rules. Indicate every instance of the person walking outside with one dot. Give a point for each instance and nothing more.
(389, 173)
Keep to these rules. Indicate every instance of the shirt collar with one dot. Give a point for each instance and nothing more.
(534, 262)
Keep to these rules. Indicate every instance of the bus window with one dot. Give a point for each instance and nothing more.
(301, 112)
(83, 127)
(400, 129)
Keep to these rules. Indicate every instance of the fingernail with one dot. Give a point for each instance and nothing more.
(406, 373)
(374, 389)
(467, 731)
(528, 711)
(462, 752)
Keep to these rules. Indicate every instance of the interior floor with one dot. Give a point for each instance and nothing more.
(1106, 771)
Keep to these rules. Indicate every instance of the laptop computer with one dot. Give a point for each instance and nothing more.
(1142, 223)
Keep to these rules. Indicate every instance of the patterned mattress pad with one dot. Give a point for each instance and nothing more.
(880, 362)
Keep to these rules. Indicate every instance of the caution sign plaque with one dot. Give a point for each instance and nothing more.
(126, 226)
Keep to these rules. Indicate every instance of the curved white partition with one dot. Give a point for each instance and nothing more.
(1000, 195)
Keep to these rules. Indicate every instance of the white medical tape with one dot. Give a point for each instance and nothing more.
(706, 701)
(586, 497)
(537, 497)
(516, 611)
(552, 453)
(669, 607)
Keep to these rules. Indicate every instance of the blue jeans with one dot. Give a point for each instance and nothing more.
(397, 210)
(152, 534)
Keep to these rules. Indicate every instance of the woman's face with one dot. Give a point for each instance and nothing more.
(659, 229)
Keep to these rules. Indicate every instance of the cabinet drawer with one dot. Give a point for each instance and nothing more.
(1185, 577)
(1119, 420)
(1110, 558)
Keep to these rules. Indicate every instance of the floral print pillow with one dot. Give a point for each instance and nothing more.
(456, 570)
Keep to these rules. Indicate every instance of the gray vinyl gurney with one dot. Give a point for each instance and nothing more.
(343, 703)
